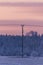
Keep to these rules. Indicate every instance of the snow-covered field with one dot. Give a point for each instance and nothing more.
(21, 61)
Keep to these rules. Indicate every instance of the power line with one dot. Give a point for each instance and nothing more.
(34, 25)
(21, 25)
(22, 31)
(23, 35)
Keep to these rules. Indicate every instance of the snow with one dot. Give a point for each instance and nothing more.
(6, 60)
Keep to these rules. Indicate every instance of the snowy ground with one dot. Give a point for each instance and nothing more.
(21, 61)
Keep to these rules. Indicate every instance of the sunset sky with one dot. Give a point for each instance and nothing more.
(21, 0)
(23, 14)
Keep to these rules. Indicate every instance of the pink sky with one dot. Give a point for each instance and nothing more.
(22, 14)
(21, 0)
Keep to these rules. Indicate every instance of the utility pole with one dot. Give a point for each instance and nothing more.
(22, 38)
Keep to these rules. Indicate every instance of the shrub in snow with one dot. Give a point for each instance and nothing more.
(34, 53)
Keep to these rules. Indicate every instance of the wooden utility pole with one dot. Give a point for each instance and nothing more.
(22, 39)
